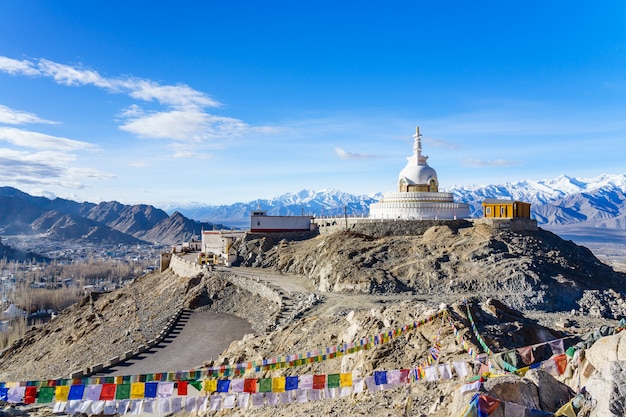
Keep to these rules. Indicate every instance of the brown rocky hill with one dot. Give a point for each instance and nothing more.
(531, 269)
(341, 287)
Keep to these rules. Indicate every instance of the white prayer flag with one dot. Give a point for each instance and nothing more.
(92, 392)
(551, 367)
(315, 394)
(202, 402)
(72, 406)
(236, 385)
(110, 407)
(135, 406)
(258, 399)
(176, 404)
(393, 377)
(345, 391)
(243, 399)
(370, 382)
(16, 394)
(215, 402)
(285, 397)
(305, 382)
(229, 401)
(163, 405)
(514, 410)
(165, 389)
(122, 406)
(148, 405)
(190, 404)
(461, 369)
(474, 386)
(272, 398)
(84, 406)
(431, 373)
(97, 407)
(357, 385)
(302, 395)
(59, 407)
(445, 371)
(557, 347)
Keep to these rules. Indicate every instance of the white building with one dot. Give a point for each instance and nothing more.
(418, 195)
(216, 246)
(260, 222)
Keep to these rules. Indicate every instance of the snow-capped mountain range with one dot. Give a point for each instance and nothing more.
(598, 202)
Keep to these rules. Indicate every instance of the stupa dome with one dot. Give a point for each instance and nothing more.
(418, 175)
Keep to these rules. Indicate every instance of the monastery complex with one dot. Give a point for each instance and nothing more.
(418, 199)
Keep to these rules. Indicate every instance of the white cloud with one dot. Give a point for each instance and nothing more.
(15, 67)
(44, 168)
(186, 154)
(494, 163)
(183, 118)
(16, 117)
(190, 126)
(178, 96)
(68, 75)
(343, 154)
(35, 140)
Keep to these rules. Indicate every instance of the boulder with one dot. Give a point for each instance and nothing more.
(552, 393)
(607, 349)
(608, 390)
(512, 389)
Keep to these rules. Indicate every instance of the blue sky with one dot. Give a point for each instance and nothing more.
(220, 102)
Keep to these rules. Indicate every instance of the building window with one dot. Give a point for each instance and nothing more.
(487, 210)
(502, 211)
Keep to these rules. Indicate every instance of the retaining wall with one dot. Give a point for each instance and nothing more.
(185, 268)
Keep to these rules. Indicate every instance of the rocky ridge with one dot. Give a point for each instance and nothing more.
(365, 282)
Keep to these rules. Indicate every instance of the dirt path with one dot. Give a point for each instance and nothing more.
(332, 302)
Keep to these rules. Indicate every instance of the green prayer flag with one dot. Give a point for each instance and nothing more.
(122, 392)
(265, 384)
(45, 395)
(332, 381)
(196, 384)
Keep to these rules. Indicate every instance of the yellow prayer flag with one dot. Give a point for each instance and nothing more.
(210, 385)
(345, 380)
(137, 390)
(62, 392)
(119, 380)
(567, 411)
(278, 384)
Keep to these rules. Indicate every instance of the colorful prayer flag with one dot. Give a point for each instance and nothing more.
(122, 392)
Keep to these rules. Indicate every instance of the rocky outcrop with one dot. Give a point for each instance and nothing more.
(527, 269)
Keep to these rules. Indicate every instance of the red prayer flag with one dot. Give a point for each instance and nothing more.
(108, 392)
(182, 387)
(561, 363)
(249, 385)
(487, 404)
(319, 381)
(30, 394)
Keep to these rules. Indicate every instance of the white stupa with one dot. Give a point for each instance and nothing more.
(418, 195)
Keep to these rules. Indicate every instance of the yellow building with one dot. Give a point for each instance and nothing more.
(505, 209)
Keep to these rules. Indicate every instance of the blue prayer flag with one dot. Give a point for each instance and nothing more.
(380, 377)
(291, 383)
(150, 389)
(223, 385)
(76, 392)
